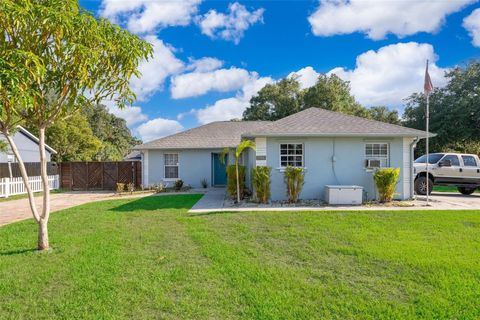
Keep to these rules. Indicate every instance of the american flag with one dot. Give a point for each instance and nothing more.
(428, 86)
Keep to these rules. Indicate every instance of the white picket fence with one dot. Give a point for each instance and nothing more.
(13, 186)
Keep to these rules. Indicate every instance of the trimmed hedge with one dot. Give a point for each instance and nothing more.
(261, 183)
(294, 179)
(386, 179)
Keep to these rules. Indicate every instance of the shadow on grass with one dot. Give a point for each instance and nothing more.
(201, 214)
(17, 251)
(151, 203)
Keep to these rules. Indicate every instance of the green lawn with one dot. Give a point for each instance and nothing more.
(148, 258)
(448, 189)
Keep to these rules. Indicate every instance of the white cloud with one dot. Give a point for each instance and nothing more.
(205, 64)
(472, 24)
(142, 16)
(156, 70)
(392, 73)
(231, 26)
(158, 128)
(199, 83)
(379, 18)
(307, 77)
(232, 108)
(132, 115)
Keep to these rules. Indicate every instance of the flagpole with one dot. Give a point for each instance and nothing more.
(427, 88)
(427, 142)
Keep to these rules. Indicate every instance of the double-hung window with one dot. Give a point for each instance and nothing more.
(171, 165)
(291, 154)
(377, 153)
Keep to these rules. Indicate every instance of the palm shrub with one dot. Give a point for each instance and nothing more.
(385, 180)
(244, 144)
(261, 183)
(236, 190)
(294, 179)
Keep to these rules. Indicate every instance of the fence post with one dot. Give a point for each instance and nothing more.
(7, 187)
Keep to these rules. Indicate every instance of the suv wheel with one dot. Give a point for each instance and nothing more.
(466, 191)
(421, 186)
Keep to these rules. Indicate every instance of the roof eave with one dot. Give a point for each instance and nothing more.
(140, 148)
(260, 134)
(34, 138)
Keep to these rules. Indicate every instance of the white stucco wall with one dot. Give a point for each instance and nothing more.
(347, 169)
(194, 166)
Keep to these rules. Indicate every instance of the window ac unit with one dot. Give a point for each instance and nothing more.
(373, 163)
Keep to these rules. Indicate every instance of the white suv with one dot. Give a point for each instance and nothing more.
(447, 169)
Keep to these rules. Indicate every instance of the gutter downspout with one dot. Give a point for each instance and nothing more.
(412, 176)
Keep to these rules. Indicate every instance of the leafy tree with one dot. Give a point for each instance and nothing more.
(332, 93)
(72, 139)
(3, 146)
(382, 113)
(245, 144)
(454, 112)
(62, 51)
(275, 101)
(117, 140)
(281, 99)
(91, 134)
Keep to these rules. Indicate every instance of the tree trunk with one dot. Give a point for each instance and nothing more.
(43, 230)
(43, 234)
(238, 181)
(23, 172)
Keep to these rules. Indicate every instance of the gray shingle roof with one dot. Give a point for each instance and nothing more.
(214, 135)
(321, 122)
(309, 122)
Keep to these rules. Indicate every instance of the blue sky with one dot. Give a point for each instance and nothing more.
(212, 56)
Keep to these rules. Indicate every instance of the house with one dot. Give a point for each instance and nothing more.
(333, 148)
(27, 145)
(135, 155)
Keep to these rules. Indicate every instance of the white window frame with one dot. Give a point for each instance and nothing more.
(383, 159)
(280, 154)
(165, 165)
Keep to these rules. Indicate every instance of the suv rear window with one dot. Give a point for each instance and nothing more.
(469, 161)
(432, 158)
(453, 159)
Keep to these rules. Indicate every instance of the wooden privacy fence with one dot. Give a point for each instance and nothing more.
(14, 186)
(33, 169)
(99, 175)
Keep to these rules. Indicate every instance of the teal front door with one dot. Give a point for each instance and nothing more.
(219, 170)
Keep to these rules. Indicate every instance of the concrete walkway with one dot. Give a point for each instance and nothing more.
(214, 201)
(16, 210)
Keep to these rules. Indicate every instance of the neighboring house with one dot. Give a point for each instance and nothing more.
(27, 145)
(135, 155)
(334, 149)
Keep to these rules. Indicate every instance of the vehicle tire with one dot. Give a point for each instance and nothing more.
(421, 186)
(466, 191)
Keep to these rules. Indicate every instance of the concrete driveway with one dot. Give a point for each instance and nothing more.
(16, 210)
(452, 201)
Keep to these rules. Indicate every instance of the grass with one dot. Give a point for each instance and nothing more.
(148, 258)
(448, 189)
(36, 194)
